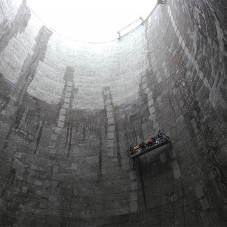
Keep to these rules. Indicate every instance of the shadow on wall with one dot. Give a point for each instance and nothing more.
(150, 168)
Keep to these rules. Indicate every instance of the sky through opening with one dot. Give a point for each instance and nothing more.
(90, 20)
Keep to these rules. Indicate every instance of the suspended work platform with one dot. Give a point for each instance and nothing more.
(160, 141)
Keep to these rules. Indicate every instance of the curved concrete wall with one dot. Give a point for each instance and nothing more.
(69, 111)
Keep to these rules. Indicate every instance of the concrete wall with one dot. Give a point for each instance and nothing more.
(69, 111)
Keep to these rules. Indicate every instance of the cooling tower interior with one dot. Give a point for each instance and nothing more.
(70, 110)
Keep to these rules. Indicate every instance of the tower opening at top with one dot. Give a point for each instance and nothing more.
(90, 21)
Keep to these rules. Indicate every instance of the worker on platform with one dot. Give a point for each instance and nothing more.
(149, 143)
(160, 138)
(142, 146)
(131, 149)
(153, 140)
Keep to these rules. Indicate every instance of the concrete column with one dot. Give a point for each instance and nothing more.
(67, 93)
(108, 105)
(27, 74)
(18, 25)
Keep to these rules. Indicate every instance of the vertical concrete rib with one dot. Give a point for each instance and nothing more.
(18, 25)
(108, 105)
(145, 81)
(152, 112)
(27, 74)
(67, 93)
